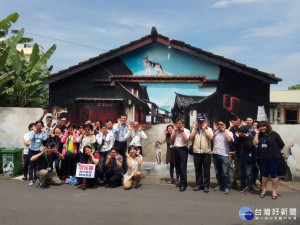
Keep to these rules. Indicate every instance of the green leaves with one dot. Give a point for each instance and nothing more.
(20, 81)
(35, 55)
(5, 24)
(294, 87)
(40, 64)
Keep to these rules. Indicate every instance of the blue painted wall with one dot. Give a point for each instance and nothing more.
(173, 62)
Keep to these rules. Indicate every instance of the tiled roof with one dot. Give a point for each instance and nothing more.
(184, 101)
(285, 96)
(154, 37)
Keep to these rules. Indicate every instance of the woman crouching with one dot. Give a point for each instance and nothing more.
(134, 162)
(90, 158)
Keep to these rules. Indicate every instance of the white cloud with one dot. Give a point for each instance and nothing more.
(228, 51)
(288, 68)
(225, 3)
(282, 28)
(286, 24)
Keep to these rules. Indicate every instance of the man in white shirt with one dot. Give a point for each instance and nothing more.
(120, 129)
(180, 136)
(222, 138)
(105, 142)
(135, 136)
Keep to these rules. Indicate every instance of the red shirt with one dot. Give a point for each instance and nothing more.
(89, 161)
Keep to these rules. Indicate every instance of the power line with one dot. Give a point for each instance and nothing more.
(70, 42)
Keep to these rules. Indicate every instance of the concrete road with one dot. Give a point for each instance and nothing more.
(155, 204)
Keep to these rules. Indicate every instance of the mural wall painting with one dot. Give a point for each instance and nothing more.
(153, 65)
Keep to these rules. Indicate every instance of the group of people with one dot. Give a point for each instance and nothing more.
(52, 152)
(252, 146)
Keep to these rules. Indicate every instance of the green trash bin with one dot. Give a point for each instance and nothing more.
(11, 161)
(1, 160)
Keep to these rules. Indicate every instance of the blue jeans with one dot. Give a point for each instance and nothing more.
(32, 164)
(181, 155)
(58, 172)
(221, 164)
(246, 173)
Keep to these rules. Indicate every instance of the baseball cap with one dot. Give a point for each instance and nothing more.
(200, 118)
(244, 129)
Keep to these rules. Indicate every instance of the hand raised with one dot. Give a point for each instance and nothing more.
(43, 150)
(204, 126)
(196, 126)
(237, 134)
(55, 150)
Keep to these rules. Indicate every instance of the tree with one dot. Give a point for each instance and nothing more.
(20, 81)
(294, 87)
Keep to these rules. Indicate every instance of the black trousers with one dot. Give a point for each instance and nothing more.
(181, 156)
(202, 164)
(112, 178)
(32, 164)
(68, 166)
(103, 157)
(26, 165)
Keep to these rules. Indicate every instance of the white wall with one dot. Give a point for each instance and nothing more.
(14, 124)
(193, 117)
(290, 134)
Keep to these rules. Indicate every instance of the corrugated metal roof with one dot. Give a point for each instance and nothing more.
(285, 96)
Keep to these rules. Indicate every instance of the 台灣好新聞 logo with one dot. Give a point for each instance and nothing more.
(246, 213)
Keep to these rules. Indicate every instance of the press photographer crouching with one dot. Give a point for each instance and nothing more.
(45, 161)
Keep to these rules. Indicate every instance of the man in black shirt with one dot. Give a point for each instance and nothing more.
(234, 127)
(45, 165)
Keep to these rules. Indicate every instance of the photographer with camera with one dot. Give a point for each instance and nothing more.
(45, 161)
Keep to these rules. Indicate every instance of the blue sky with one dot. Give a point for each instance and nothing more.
(263, 34)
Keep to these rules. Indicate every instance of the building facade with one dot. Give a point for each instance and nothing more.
(284, 106)
(145, 77)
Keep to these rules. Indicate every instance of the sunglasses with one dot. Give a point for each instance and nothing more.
(220, 124)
